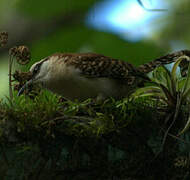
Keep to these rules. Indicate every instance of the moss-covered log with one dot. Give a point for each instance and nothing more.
(45, 138)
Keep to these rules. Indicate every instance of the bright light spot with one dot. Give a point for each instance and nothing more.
(126, 18)
(129, 14)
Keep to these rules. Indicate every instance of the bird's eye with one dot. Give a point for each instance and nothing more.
(36, 69)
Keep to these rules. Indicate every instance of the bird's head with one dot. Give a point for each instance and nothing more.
(39, 74)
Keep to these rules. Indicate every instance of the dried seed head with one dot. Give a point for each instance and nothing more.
(21, 53)
(13, 51)
(3, 38)
(23, 56)
(22, 77)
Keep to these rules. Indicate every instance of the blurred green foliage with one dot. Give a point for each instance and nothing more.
(47, 9)
(78, 37)
(81, 38)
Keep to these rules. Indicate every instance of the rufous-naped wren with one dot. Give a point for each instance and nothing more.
(89, 75)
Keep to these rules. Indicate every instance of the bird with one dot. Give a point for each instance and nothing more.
(90, 75)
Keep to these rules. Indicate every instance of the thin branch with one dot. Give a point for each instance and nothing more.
(176, 137)
(147, 9)
(10, 77)
(174, 119)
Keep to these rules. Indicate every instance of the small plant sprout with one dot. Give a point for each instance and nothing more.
(170, 88)
(22, 55)
(167, 85)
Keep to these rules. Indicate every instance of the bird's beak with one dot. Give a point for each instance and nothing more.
(24, 87)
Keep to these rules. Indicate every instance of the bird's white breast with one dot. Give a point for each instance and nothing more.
(72, 84)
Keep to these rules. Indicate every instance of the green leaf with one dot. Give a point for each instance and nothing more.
(167, 93)
(44, 9)
(153, 94)
(186, 87)
(174, 69)
(180, 83)
(145, 90)
(162, 75)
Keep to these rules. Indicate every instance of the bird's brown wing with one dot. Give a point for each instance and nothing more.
(95, 65)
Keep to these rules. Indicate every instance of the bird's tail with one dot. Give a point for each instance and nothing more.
(167, 59)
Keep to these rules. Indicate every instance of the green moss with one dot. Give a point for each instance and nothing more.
(79, 119)
(80, 135)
